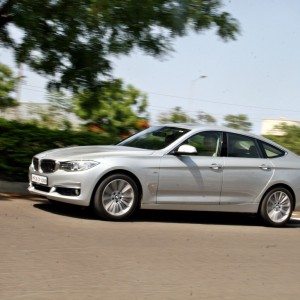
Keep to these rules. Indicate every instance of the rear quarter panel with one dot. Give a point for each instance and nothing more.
(287, 171)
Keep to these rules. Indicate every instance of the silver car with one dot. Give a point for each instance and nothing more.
(176, 167)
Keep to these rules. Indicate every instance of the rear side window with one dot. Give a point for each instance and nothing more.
(242, 146)
(272, 151)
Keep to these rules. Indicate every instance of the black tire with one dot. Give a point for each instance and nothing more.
(263, 211)
(99, 198)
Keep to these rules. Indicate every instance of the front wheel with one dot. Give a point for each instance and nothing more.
(116, 197)
(277, 207)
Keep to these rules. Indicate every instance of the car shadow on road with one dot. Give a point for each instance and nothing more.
(68, 210)
(163, 216)
(195, 217)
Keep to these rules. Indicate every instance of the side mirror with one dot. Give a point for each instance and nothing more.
(185, 150)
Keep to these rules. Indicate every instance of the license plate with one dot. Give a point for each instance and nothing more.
(39, 179)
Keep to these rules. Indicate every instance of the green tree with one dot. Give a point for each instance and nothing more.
(72, 41)
(116, 108)
(289, 139)
(7, 87)
(176, 115)
(240, 122)
(205, 118)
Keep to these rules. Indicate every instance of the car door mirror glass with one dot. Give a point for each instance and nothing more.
(186, 150)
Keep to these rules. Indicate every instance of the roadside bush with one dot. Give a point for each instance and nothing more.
(19, 142)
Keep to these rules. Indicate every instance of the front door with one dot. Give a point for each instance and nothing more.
(193, 179)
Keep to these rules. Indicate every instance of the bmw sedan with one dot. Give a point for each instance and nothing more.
(174, 167)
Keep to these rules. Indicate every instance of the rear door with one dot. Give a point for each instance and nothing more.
(246, 172)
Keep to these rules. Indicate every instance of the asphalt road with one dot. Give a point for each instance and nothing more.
(49, 252)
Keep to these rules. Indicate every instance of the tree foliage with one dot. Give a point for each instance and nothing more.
(7, 86)
(205, 118)
(289, 139)
(116, 108)
(72, 41)
(176, 115)
(240, 122)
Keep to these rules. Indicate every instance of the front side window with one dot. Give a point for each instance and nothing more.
(154, 138)
(207, 143)
(242, 146)
(271, 151)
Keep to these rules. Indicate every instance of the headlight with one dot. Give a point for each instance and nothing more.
(77, 165)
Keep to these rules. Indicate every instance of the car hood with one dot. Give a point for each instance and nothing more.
(91, 152)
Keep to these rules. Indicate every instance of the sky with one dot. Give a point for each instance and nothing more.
(258, 74)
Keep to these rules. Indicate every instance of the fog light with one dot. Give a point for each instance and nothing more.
(68, 191)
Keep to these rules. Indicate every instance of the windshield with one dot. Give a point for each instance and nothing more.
(154, 138)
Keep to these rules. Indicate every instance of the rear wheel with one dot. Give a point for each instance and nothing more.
(277, 207)
(116, 197)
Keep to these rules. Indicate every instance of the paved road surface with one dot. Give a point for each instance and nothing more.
(49, 252)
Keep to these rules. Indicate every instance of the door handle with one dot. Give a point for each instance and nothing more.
(265, 167)
(216, 166)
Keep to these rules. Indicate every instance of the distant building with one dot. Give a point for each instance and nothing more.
(30, 111)
(269, 126)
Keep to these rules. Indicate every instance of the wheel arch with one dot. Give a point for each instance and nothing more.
(277, 185)
(119, 171)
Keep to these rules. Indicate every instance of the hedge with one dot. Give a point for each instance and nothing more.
(19, 142)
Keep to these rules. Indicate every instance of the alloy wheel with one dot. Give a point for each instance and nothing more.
(118, 197)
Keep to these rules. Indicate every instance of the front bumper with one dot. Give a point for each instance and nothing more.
(69, 187)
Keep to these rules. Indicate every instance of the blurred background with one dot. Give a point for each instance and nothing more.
(93, 72)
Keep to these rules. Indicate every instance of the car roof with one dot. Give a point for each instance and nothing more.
(196, 127)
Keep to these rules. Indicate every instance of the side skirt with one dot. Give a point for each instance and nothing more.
(243, 208)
